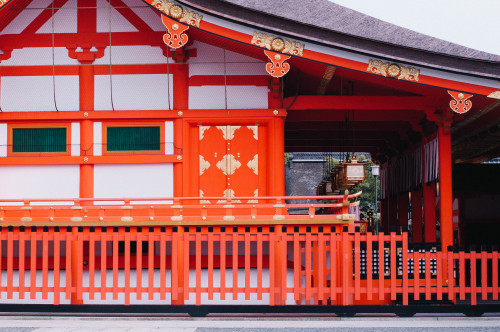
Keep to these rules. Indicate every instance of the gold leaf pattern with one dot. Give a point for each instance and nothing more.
(228, 165)
(290, 47)
(255, 130)
(255, 194)
(228, 131)
(203, 201)
(204, 165)
(228, 193)
(202, 131)
(191, 18)
(163, 5)
(393, 70)
(254, 164)
(495, 95)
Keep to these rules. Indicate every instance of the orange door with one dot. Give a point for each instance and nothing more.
(228, 161)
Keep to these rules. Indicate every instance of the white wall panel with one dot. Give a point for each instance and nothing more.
(134, 92)
(147, 14)
(25, 17)
(118, 22)
(133, 180)
(207, 97)
(206, 53)
(133, 55)
(97, 138)
(247, 97)
(3, 140)
(39, 181)
(31, 56)
(238, 97)
(169, 137)
(36, 93)
(65, 20)
(75, 138)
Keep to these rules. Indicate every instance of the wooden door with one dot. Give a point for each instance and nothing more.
(228, 161)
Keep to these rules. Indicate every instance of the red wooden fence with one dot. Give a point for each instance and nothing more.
(293, 264)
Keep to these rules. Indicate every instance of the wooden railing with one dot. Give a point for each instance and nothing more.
(173, 211)
(263, 264)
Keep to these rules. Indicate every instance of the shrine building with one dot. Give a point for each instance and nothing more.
(142, 159)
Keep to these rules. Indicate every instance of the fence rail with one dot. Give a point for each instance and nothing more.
(274, 265)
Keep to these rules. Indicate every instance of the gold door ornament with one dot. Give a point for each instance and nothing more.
(228, 131)
(228, 165)
(254, 164)
(204, 165)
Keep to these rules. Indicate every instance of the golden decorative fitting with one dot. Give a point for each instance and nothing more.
(101, 218)
(179, 157)
(86, 114)
(278, 44)
(179, 113)
(191, 18)
(176, 11)
(495, 95)
(151, 218)
(203, 218)
(204, 165)
(51, 219)
(254, 164)
(393, 70)
(460, 103)
(175, 27)
(275, 112)
(85, 159)
(228, 165)
(163, 5)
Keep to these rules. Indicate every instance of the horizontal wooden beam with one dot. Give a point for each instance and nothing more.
(383, 103)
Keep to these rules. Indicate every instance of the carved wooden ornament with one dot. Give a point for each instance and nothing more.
(175, 36)
(460, 103)
(277, 67)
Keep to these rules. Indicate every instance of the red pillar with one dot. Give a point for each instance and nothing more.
(180, 74)
(416, 215)
(445, 186)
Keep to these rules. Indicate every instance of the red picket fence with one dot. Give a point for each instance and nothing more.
(299, 264)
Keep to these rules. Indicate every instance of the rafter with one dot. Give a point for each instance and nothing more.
(46, 15)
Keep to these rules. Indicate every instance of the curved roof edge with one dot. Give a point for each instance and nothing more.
(334, 17)
(231, 21)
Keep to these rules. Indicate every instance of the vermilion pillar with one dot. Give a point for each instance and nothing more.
(180, 74)
(86, 79)
(445, 186)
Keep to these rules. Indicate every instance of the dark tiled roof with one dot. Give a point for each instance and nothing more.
(331, 16)
(326, 23)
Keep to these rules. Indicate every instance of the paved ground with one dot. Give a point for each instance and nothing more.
(252, 324)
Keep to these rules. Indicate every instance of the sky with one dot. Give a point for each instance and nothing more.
(471, 23)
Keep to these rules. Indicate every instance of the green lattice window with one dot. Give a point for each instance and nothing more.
(39, 139)
(133, 138)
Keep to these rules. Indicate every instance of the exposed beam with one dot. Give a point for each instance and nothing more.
(303, 103)
(330, 115)
(326, 79)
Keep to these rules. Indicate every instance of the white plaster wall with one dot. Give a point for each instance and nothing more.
(3, 139)
(238, 97)
(126, 55)
(39, 181)
(65, 20)
(147, 14)
(118, 22)
(133, 180)
(36, 93)
(97, 138)
(26, 17)
(169, 137)
(75, 138)
(30, 56)
(133, 92)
